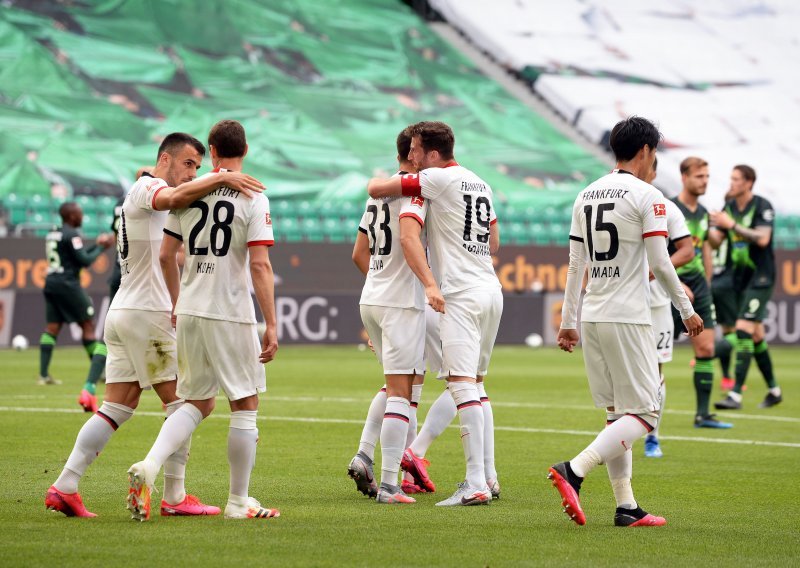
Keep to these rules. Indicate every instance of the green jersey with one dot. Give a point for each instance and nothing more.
(752, 265)
(67, 255)
(697, 223)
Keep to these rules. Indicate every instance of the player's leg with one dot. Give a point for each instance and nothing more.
(704, 380)
(360, 468)
(199, 387)
(663, 332)
(47, 342)
(764, 361)
(408, 486)
(490, 324)
(121, 400)
(98, 353)
(235, 359)
(460, 330)
(726, 307)
(394, 432)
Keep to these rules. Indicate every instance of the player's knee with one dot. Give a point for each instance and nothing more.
(648, 419)
(115, 414)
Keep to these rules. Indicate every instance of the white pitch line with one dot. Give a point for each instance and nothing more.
(312, 420)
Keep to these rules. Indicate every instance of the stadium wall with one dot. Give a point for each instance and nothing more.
(318, 288)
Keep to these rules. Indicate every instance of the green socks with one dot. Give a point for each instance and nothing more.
(744, 354)
(764, 362)
(703, 381)
(99, 353)
(47, 343)
(723, 349)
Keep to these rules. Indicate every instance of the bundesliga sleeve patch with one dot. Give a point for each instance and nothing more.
(419, 201)
(269, 219)
(660, 209)
(77, 243)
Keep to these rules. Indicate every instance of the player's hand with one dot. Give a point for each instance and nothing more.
(269, 345)
(567, 339)
(370, 345)
(435, 298)
(650, 275)
(105, 240)
(694, 325)
(689, 293)
(721, 220)
(242, 182)
(144, 170)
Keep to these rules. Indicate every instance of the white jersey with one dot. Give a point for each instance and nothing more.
(612, 217)
(460, 214)
(676, 227)
(390, 281)
(217, 231)
(141, 229)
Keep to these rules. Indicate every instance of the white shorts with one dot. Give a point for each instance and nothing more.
(398, 337)
(663, 329)
(622, 367)
(141, 347)
(217, 354)
(468, 328)
(433, 343)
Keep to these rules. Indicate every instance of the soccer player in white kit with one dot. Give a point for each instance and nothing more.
(661, 308)
(218, 345)
(138, 332)
(461, 229)
(619, 226)
(392, 303)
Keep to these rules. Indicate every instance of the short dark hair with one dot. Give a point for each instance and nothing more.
(747, 172)
(404, 142)
(655, 164)
(176, 141)
(435, 135)
(228, 139)
(630, 135)
(692, 162)
(66, 208)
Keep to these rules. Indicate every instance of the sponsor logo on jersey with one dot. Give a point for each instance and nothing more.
(660, 209)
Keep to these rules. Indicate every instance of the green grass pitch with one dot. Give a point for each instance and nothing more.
(730, 497)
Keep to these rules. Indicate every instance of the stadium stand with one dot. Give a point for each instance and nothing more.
(88, 96)
(714, 75)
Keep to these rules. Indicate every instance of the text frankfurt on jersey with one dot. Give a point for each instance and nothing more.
(605, 271)
(604, 194)
(473, 186)
(225, 192)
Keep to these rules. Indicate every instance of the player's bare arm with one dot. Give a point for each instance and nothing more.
(168, 258)
(361, 253)
(757, 235)
(715, 236)
(494, 238)
(708, 262)
(414, 252)
(264, 287)
(380, 187)
(186, 193)
(660, 264)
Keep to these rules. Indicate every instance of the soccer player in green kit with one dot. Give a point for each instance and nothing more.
(748, 220)
(67, 302)
(696, 274)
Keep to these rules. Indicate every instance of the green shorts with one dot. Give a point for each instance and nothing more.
(753, 303)
(67, 303)
(702, 303)
(726, 301)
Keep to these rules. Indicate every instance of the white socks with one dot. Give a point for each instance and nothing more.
(416, 395)
(174, 433)
(620, 470)
(440, 415)
(242, 439)
(611, 443)
(488, 434)
(470, 415)
(372, 426)
(175, 466)
(393, 437)
(91, 440)
(661, 410)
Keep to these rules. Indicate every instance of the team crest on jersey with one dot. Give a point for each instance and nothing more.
(660, 209)
(269, 219)
(418, 201)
